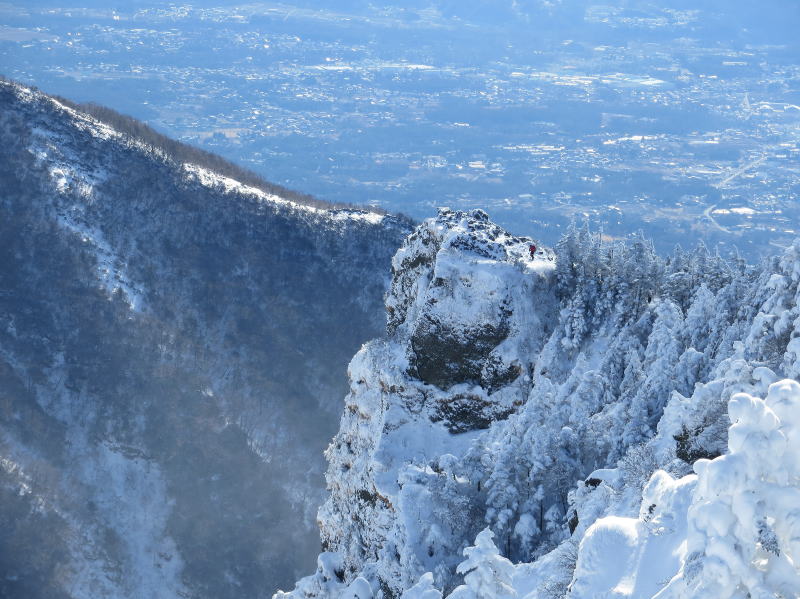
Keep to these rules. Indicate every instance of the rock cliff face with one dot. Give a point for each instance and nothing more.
(173, 348)
(466, 312)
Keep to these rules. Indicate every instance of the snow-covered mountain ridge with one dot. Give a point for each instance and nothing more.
(173, 347)
(562, 421)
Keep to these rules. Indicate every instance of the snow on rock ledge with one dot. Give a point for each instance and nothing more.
(461, 297)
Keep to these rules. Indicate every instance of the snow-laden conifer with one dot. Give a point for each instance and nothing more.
(487, 574)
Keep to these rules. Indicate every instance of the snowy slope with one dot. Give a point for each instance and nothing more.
(567, 415)
(173, 346)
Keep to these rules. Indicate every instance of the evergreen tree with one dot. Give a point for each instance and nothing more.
(661, 355)
(568, 253)
(487, 574)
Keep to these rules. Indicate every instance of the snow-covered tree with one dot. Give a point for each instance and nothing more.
(525, 532)
(326, 583)
(487, 574)
(568, 256)
(661, 356)
(502, 495)
(699, 318)
(744, 521)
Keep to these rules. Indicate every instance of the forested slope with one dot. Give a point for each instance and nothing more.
(173, 347)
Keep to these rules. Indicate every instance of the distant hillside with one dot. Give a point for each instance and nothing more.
(180, 152)
(174, 336)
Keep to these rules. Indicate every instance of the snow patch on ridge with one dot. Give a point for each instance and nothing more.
(53, 152)
(111, 271)
(208, 178)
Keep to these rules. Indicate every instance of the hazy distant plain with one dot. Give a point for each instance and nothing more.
(683, 122)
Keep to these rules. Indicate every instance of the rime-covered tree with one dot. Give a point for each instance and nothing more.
(661, 355)
(487, 574)
(744, 521)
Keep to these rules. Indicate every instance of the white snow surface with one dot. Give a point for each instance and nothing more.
(131, 500)
(633, 557)
(227, 185)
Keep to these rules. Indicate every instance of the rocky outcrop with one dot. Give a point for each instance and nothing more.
(464, 318)
(453, 304)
